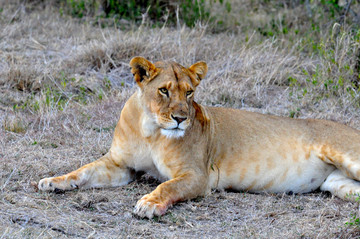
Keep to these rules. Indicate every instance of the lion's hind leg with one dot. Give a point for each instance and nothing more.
(341, 186)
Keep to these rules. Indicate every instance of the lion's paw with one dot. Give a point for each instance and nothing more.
(46, 184)
(146, 207)
(57, 186)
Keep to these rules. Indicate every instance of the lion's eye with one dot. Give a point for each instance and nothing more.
(189, 92)
(164, 91)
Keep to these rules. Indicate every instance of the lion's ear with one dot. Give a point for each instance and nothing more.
(200, 69)
(142, 69)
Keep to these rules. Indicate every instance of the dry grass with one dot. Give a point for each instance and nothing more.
(62, 87)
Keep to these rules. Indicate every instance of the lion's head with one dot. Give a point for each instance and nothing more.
(167, 92)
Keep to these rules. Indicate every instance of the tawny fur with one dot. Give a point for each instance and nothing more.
(193, 148)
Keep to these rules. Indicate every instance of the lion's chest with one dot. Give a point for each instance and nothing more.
(150, 161)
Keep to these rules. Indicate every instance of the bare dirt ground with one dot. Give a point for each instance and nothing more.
(62, 87)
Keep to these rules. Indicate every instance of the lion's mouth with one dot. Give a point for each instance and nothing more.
(173, 132)
(176, 128)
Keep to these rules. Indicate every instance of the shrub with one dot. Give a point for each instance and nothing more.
(158, 11)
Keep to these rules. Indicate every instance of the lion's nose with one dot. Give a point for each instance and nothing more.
(178, 119)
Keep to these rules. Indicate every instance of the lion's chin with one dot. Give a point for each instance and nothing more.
(172, 133)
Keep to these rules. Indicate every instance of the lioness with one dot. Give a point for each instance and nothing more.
(193, 148)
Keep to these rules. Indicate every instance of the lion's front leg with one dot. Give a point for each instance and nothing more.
(184, 187)
(104, 172)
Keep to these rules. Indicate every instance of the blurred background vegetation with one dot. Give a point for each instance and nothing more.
(323, 32)
(221, 14)
(315, 23)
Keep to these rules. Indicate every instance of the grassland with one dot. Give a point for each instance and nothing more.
(63, 82)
